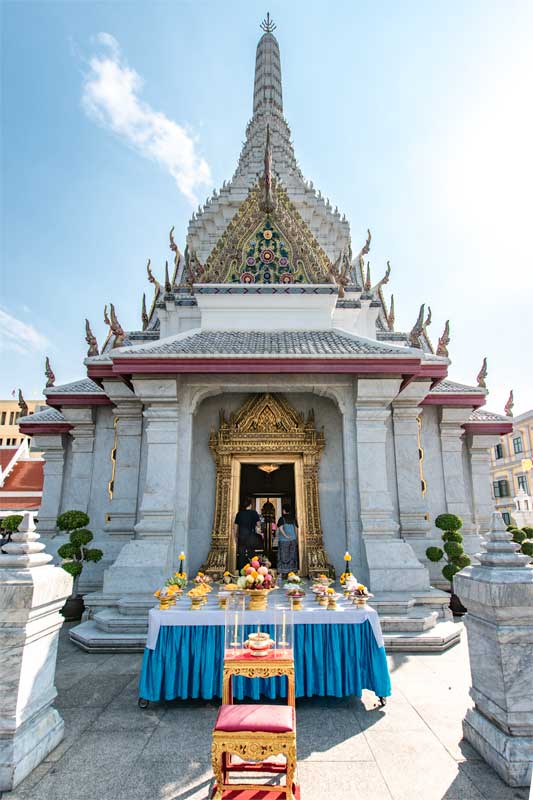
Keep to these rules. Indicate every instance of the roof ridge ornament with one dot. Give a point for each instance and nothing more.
(508, 410)
(268, 201)
(268, 25)
(482, 375)
(418, 329)
(392, 317)
(90, 338)
(385, 279)
(144, 315)
(444, 341)
(22, 405)
(49, 373)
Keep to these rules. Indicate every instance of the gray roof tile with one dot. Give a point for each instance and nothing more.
(83, 386)
(481, 415)
(451, 387)
(48, 415)
(268, 343)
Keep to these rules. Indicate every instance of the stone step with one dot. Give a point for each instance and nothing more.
(109, 621)
(89, 637)
(392, 603)
(136, 606)
(408, 623)
(440, 637)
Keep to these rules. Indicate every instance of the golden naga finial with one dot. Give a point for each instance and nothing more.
(385, 279)
(339, 271)
(106, 318)
(509, 405)
(268, 25)
(364, 252)
(49, 373)
(90, 338)
(177, 255)
(168, 285)
(427, 321)
(144, 315)
(391, 318)
(482, 375)
(444, 341)
(151, 277)
(418, 329)
(116, 327)
(22, 405)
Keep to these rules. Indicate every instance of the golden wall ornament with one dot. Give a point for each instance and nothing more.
(113, 457)
(267, 426)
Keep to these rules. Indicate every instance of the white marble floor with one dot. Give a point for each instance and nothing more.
(410, 749)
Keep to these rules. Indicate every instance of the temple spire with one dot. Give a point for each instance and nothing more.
(267, 86)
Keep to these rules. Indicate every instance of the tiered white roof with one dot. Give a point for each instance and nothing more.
(208, 225)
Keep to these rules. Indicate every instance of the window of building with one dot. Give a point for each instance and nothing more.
(501, 488)
(522, 483)
(1, 442)
(11, 417)
(3, 419)
(517, 444)
(498, 451)
(506, 517)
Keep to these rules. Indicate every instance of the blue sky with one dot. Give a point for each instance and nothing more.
(414, 118)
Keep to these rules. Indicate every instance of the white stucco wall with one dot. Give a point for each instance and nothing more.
(433, 472)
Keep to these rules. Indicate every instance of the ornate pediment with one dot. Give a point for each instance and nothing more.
(267, 243)
(266, 413)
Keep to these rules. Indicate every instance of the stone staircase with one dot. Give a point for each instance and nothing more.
(418, 623)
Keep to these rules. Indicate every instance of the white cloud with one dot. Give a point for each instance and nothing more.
(111, 97)
(19, 337)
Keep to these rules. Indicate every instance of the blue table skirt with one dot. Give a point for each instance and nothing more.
(330, 660)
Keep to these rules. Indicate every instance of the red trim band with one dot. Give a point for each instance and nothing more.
(449, 399)
(488, 427)
(58, 400)
(45, 427)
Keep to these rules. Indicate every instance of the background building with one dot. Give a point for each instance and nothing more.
(10, 435)
(511, 461)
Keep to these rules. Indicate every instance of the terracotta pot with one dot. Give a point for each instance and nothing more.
(73, 608)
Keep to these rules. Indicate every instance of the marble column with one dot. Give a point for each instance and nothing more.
(53, 447)
(479, 447)
(351, 499)
(455, 480)
(498, 593)
(32, 593)
(78, 491)
(127, 423)
(392, 563)
(146, 561)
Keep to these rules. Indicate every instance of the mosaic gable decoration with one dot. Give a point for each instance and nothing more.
(274, 247)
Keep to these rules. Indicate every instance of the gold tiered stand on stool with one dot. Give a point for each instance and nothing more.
(254, 733)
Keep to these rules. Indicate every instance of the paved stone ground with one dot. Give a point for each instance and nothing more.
(347, 749)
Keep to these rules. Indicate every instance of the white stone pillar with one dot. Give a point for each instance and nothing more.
(78, 491)
(127, 424)
(498, 593)
(455, 479)
(53, 447)
(480, 447)
(392, 563)
(32, 594)
(351, 498)
(146, 561)
(414, 510)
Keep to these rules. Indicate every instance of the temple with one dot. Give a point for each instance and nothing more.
(267, 364)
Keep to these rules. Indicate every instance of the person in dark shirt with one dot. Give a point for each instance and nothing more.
(287, 542)
(246, 528)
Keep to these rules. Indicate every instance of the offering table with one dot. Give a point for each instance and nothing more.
(336, 653)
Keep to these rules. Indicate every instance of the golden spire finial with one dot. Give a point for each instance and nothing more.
(391, 318)
(482, 375)
(90, 338)
(268, 25)
(444, 341)
(144, 315)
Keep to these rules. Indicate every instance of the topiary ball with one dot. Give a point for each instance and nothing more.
(12, 522)
(449, 571)
(527, 549)
(453, 549)
(94, 554)
(81, 537)
(462, 561)
(448, 522)
(452, 536)
(434, 553)
(528, 531)
(70, 520)
(67, 550)
(73, 568)
(518, 536)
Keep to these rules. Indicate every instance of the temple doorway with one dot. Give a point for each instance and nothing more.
(271, 486)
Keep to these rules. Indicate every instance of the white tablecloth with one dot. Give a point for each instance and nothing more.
(311, 614)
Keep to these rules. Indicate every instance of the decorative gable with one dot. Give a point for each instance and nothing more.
(267, 247)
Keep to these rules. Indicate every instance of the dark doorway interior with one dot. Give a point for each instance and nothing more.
(270, 490)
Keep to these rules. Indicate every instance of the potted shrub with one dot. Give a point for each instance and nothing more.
(74, 553)
(453, 550)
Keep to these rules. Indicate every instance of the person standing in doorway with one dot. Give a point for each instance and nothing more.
(246, 527)
(287, 542)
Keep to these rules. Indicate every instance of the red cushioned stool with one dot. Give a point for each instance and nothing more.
(254, 733)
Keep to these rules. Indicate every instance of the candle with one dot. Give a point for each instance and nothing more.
(236, 631)
(283, 642)
(182, 560)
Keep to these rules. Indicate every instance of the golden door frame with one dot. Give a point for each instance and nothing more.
(267, 428)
